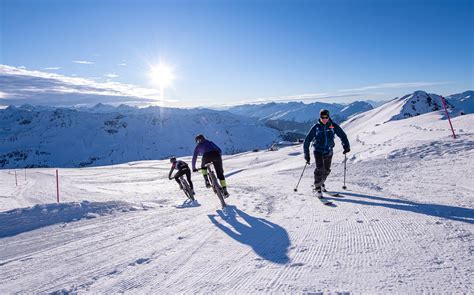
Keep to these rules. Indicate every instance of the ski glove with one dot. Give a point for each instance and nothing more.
(307, 158)
(346, 150)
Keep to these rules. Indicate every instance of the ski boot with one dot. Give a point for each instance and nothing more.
(226, 193)
(317, 192)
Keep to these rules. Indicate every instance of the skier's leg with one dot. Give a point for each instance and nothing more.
(318, 171)
(177, 176)
(204, 161)
(188, 176)
(327, 160)
(219, 170)
(220, 175)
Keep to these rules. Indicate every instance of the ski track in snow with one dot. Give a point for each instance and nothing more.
(403, 226)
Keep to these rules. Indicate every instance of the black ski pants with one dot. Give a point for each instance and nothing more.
(216, 159)
(323, 168)
(188, 176)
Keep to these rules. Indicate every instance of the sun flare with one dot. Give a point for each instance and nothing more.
(162, 75)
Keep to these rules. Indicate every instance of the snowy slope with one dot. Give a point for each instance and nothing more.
(405, 224)
(70, 138)
(375, 133)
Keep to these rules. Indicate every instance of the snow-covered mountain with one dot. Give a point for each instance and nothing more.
(375, 103)
(105, 135)
(463, 102)
(410, 105)
(299, 112)
(351, 109)
(417, 103)
(294, 119)
(32, 136)
(378, 131)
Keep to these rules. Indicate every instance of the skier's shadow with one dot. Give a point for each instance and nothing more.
(188, 204)
(269, 240)
(443, 211)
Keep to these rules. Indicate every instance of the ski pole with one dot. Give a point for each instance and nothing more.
(296, 188)
(345, 160)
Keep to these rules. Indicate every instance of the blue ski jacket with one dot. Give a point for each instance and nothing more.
(322, 137)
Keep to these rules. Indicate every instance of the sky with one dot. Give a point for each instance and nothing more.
(232, 52)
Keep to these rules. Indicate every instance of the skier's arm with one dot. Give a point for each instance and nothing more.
(307, 141)
(342, 135)
(171, 171)
(195, 157)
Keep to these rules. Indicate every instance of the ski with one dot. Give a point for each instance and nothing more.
(325, 201)
(333, 194)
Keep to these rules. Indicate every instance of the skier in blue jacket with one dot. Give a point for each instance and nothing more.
(322, 136)
(210, 153)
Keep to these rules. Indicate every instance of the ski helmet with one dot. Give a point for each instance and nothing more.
(172, 159)
(199, 138)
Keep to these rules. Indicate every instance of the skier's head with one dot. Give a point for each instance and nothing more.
(172, 159)
(199, 138)
(324, 115)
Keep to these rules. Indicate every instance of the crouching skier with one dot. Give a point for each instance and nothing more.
(183, 169)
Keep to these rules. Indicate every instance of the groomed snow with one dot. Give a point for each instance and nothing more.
(403, 226)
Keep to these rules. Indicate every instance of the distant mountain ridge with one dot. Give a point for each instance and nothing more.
(295, 118)
(63, 137)
(42, 136)
(300, 112)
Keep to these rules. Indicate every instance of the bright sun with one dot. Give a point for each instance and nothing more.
(162, 75)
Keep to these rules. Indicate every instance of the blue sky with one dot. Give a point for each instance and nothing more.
(241, 51)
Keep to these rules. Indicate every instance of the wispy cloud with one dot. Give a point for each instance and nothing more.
(111, 75)
(122, 64)
(52, 68)
(35, 87)
(396, 85)
(84, 62)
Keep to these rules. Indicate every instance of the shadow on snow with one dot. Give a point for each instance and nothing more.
(443, 211)
(270, 241)
(188, 204)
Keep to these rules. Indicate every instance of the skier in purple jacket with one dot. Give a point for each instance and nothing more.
(210, 153)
